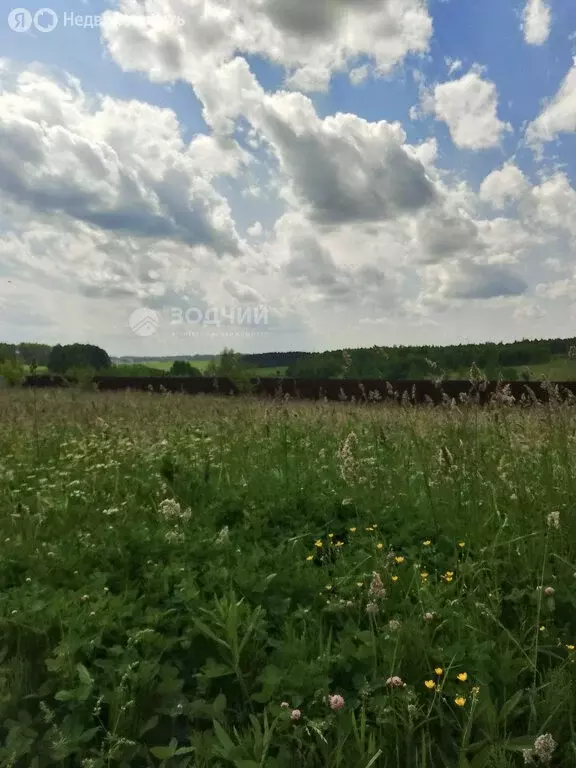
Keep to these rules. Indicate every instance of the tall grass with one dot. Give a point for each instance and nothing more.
(185, 581)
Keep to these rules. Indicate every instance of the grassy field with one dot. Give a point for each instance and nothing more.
(203, 582)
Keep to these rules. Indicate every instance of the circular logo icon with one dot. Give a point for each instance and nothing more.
(20, 20)
(45, 20)
(144, 322)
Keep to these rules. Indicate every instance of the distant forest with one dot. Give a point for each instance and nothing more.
(392, 363)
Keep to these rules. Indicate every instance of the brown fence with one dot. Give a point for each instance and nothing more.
(369, 390)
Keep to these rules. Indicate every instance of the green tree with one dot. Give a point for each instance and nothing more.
(64, 358)
(183, 368)
(229, 365)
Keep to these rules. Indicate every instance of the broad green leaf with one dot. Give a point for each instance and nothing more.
(223, 738)
(163, 753)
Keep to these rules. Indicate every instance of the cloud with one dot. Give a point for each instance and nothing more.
(469, 107)
(528, 312)
(469, 281)
(343, 168)
(507, 184)
(121, 166)
(312, 269)
(310, 40)
(255, 230)
(243, 293)
(536, 21)
(442, 234)
(559, 116)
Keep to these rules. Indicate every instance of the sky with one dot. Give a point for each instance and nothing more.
(177, 176)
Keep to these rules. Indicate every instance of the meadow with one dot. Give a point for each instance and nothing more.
(214, 582)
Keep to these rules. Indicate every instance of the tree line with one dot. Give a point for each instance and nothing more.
(392, 363)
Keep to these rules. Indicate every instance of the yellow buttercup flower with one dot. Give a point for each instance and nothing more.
(424, 576)
(319, 543)
(379, 545)
(339, 543)
(394, 578)
(427, 543)
(461, 544)
(399, 559)
(460, 701)
(463, 676)
(352, 530)
(430, 684)
(439, 671)
(330, 535)
(310, 557)
(570, 647)
(359, 583)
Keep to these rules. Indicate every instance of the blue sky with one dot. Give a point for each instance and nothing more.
(237, 158)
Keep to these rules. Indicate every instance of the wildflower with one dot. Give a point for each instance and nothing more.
(349, 465)
(460, 701)
(330, 535)
(461, 544)
(169, 508)
(310, 557)
(427, 543)
(339, 543)
(553, 520)
(85, 597)
(476, 691)
(399, 559)
(336, 702)
(544, 746)
(430, 684)
(463, 676)
(439, 671)
(223, 536)
(395, 682)
(549, 591)
(352, 530)
(359, 584)
(570, 647)
(424, 576)
(428, 616)
(542, 628)
(319, 543)
(295, 714)
(528, 755)
(376, 586)
(372, 607)
(448, 576)
(284, 705)
(393, 625)
(379, 545)
(394, 578)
